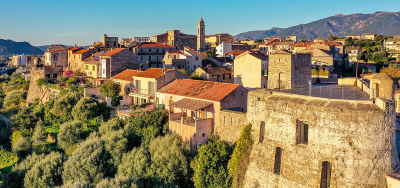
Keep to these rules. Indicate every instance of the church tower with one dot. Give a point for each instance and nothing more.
(201, 35)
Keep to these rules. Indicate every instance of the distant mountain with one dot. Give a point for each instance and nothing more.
(9, 47)
(385, 23)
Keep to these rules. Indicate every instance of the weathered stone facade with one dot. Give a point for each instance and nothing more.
(42, 94)
(354, 137)
(288, 71)
(230, 125)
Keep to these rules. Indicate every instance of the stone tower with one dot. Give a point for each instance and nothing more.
(289, 71)
(201, 35)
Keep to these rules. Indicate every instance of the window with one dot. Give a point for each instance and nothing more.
(325, 174)
(278, 161)
(203, 135)
(301, 132)
(262, 132)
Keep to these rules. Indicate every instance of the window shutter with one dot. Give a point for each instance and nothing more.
(298, 133)
(278, 160)
(325, 174)
(305, 132)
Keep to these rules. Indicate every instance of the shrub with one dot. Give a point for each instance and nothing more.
(240, 157)
(92, 160)
(70, 134)
(45, 173)
(210, 165)
(7, 158)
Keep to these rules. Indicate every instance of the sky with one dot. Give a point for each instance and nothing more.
(81, 22)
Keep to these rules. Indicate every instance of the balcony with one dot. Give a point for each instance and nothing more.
(141, 93)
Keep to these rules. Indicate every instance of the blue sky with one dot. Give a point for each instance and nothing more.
(84, 21)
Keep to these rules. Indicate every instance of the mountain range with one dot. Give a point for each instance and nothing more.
(385, 23)
(10, 47)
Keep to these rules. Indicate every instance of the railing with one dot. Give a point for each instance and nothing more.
(181, 118)
(143, 92)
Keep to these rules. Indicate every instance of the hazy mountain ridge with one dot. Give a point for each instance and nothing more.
(386, 23)
(10, 47)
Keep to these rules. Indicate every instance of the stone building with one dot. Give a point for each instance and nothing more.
(176, 39)
(110, 42)
(56, 57)
(216, 74)
(250, 69)
(287, 70)
(76, 58)
(116, 60)
(186, 59)
(201, 35)
(140, 87)
(195, 106)
(152, 54)
(214, 40)
(307, 141)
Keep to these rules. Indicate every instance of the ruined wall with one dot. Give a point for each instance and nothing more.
(35, 92)
(354, 136)
(230, 126)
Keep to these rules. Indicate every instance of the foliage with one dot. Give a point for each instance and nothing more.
(114, 124)
(88, 108)
(240, 158)
(70, 134)
(142, 129)
(15, 178)
(116, 144)
(20, 144)
(210, 165)
(92, 160)
(169, 164)
(5, 130)
(46, 172)
(117, 182)
(7, 158)
(110, 89)
(14, 98)
(135, 164)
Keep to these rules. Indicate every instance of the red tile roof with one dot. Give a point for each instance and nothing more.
(235, 52)
(155, 45)
(213, 91)
(127, 74)
(81, 51)
(113, 52)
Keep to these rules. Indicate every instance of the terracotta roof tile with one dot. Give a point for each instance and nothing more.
(213, 91)
(113, 52)
(235, 52)
(81, 51)
(155, 45)
(127, 74)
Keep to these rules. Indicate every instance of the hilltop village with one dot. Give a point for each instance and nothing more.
(294, 113)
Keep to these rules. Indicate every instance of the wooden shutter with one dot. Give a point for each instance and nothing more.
(325, 174)
(298, 132)
(262, 132)
(305, 134)
(278, 160)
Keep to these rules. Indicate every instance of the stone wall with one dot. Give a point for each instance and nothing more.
(355, 137)
(230, 126)
(35, 92)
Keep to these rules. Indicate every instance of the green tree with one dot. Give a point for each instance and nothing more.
(134, 165)
(20, 144)
(240, 158)
(210, 165)
(116, 144)
(169, 165)
(46, 172)
(15, 178)
(114, 124)
(7, 158)
(110, 89)
(88, 164)
(5, 130)
(70, 134)
(117, 182)
(88, 108)
(39, 138)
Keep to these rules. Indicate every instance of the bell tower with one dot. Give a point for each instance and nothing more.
(201, 35)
